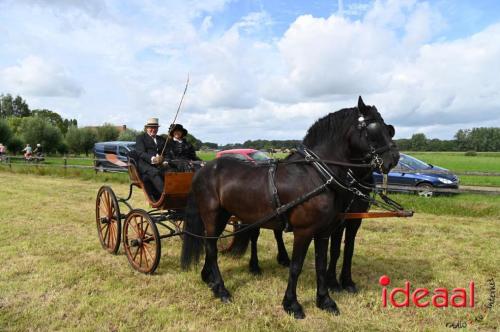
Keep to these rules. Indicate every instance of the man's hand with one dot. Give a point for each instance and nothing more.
(157, 160)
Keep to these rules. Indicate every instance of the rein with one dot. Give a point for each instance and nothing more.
(321, 166)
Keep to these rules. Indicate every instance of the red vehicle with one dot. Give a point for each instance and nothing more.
(243, 154)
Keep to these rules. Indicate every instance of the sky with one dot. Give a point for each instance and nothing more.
(258, 69)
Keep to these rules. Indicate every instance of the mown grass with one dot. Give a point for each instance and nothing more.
(55, 276)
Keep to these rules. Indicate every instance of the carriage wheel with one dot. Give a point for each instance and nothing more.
(226, 244)
(141, 241)
(108, 221)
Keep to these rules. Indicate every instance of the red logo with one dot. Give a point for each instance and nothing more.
(422, 297)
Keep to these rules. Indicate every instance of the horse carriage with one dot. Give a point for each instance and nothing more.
(314, 191)
(138, 229)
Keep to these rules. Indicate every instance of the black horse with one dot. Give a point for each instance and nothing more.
(350, 227)
(228, 187)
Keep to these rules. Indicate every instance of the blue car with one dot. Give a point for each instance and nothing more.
(412, 172)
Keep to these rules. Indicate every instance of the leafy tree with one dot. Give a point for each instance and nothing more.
(418, 142)
(194, 141)
(5, 132)
(63, 148)
(16, 125)
(6, 108)
(10, 106)
(128, 135)
(38, 130)
(88, 139)
(15, 145)
(107, 132)
(74, 139)
(20, 108)
(209, 145)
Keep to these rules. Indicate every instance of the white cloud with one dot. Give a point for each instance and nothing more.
(36, 77)
(132, 59)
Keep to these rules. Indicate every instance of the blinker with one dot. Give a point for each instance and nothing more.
(374, 130)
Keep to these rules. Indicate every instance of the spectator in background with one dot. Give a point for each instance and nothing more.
(38, 150)
(28, 151)
(2, 151)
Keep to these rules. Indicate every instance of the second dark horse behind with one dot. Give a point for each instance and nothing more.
(227, 187)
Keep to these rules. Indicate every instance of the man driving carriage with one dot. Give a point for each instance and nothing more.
(155, 155)
(150, 155)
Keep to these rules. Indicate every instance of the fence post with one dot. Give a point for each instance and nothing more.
(65, 164)
(10, 163)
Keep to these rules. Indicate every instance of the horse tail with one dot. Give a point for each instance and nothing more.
(240, 244)
(193, 224)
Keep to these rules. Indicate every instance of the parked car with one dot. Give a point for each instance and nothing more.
(244, 154)
(413, 172)
(109, 156)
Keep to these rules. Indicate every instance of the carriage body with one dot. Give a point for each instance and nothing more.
(175, 188)
(138, 229)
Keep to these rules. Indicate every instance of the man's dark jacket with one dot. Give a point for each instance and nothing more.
(146, 149)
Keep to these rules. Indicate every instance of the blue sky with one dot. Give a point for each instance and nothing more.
(258, 69)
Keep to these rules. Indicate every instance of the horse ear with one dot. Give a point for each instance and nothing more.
(361, 105)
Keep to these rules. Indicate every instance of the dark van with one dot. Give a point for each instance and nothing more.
(112, 156)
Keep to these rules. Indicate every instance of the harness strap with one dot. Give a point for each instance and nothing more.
(275, 199)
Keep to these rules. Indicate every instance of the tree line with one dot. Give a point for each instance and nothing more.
(20, 126)
(476, 139)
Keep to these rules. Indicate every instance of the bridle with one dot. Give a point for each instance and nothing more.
(370, 129)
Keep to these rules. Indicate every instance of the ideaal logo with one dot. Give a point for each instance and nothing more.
(423, 297)
(439, 298)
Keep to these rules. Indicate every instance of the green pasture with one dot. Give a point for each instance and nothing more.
(55, 276)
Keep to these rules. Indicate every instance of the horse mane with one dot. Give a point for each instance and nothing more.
(331, 127)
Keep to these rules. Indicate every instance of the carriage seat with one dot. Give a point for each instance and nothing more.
(137, 180)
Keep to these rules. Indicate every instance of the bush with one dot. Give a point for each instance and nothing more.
(15, 145)
(38, 130)
(470, 153)
(107, 132)
(5, 132)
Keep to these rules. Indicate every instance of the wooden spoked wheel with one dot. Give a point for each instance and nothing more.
(107, 212)
(141, 241)
(226, 244)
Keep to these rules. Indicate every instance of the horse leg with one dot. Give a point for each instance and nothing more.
(331, 273)
(282, 257)
(290, 303)
(345, 276)
(323, 299)
(254, 259)
(210, 272)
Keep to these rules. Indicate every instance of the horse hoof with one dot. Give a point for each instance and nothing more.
(294, 309)
(328, 305)
(351, 289)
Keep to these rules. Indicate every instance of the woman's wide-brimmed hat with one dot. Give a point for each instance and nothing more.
(152, 122)
(179, 127)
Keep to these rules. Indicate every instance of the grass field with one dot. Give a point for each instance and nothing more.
(55, 276)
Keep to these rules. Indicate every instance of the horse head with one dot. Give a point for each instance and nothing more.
(357, 135)
(370, 139)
